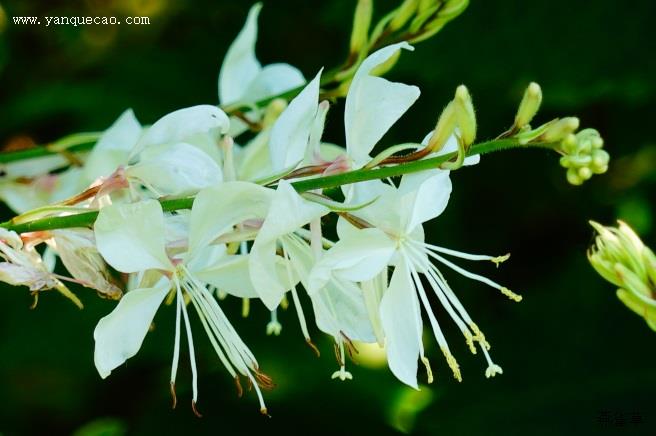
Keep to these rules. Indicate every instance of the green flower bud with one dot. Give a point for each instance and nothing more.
(573, 177)
(444, 128)
(403, 14)
(529, 105)
(465, 116)
(559, 130)
(361, 22)
(585, 173)
(621, 258)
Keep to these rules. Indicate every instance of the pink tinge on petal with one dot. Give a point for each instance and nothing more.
(117, 180)
(253, 223)
(340, 165)
(46, 183)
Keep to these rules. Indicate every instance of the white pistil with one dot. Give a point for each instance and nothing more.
(274, 327)
(342, 373)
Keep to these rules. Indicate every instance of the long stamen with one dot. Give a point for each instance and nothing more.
(505, 291)
(469, 339)
(297, 302)
(495, 259)
(212, 337)
(176, 346)
(439, 278)
(192, 355)
(441, 340)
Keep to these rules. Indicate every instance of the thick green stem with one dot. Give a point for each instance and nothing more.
(86, 219)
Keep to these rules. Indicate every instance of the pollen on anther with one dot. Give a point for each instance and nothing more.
(429, 371)
(510, 294)
(500, 259)
(453, 364)
(469, 339)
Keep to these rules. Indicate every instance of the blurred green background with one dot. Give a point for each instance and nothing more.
(575, 360)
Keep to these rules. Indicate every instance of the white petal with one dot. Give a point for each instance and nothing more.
(253, 161)
(120, 334)
(359, 257)
(339, 306)
(130, 237)
(288, 212)
(113, 147)
(217, 209)
(374, 104)
(401, 320)
(272, 80)
(176, 169)
(183, 123)
(240, 66)
(229, 274)
(424, 196)
(290, 132)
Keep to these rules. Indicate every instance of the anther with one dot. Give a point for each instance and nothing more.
(173, 396)
(240, 390)
(193, 408)
(314, 347)
(429, 371)
(453, 364)
(510, 294)
(479, 336)
(500, 259)
(469, 339)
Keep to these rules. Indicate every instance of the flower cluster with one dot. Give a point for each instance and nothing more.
(251, 232)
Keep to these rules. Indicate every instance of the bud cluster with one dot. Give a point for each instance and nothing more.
(621, 258)
(583, 155)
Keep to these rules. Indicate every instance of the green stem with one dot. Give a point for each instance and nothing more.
(86, 219)
(75, 143)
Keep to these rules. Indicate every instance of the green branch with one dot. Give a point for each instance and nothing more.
(86, 219)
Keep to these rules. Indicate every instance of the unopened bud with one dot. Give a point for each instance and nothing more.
(383, 68)
(403, 14)
(621, 258)
(529, 105)
(465, 116)
(444, 128)
(361, 23)
(560, 129)
(273, 111)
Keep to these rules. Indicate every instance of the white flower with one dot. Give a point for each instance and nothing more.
(131, 238)
(242, 79)
(374, 104)
(397, 239)
(22, 265)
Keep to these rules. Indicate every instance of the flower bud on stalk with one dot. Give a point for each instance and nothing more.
(361, 23)
(444, 128)
(529, 105)
(402, 14)
(621, 258)
(465, 115)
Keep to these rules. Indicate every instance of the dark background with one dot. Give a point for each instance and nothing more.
(575, 360)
